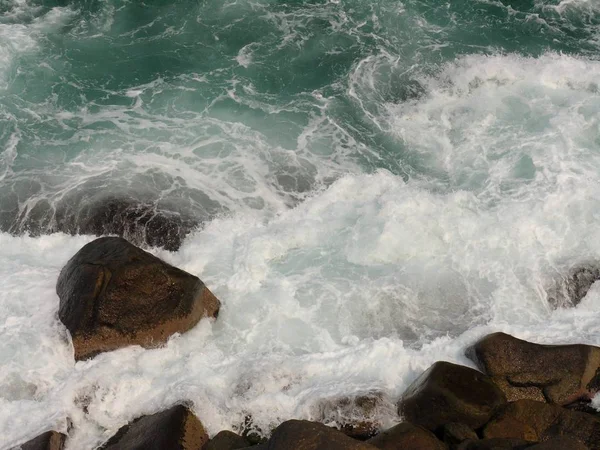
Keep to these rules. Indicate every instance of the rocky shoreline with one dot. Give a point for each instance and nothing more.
(524, 395)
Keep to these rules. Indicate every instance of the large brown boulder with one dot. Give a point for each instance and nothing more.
(304, 435)
(406, 436)
(447, 393)
(176, 428)
(114, 294)
(50, 440)
(547, 421)
(558, 374)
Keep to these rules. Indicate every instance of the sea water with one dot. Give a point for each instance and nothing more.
(379, 184)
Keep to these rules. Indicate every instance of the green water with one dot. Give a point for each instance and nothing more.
(212, 106)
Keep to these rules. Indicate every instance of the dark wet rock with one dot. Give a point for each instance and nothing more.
(549, 421)
(559, 374)
(509, 427)
(405, 436)
(448, 393)
(495, 444)
(145, 220)
(455, 433)
(358, 417)
(305, 435)
(584, 406)
(141, 223)
(50, 440)
(560, 443)
(570, 290)
(226, 440)
(113, 294)
(175, 429)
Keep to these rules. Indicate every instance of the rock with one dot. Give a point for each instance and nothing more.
(549, 421)
(144, 221)
(584, 406)
(509, 427)
(226, 440)
(175, 429)
(358, 417)
(569, 291)
(450, 393)
(305, 435)
(113, 294)
(406, 436)
(495, 444)
(50, 440)
(455, 433)
(559, 443)
(559, 374)
(144, 224)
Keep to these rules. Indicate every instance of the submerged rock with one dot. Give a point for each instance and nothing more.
(175, 429)
(141, 223)
(113, 294)
(146, 221)
(407, 436)
(447, 393)
(358, 417)
(305, 435)
(50, 440)
(570, 290)
(549, 421)
(559, 374)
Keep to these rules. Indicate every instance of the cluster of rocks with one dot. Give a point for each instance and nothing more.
(524, 395)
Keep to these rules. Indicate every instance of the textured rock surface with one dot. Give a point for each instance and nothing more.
(448, 393)
(175, 429)
(304, 435)
(455, 433)
(509, 427)
(549, 421)
(407, 436)
(495, 444)
(50, 440)
(226, 440)
(558, 374)
(560, 443)
(114, 294)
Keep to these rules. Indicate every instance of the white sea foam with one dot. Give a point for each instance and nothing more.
(361, 287)
(17, 39)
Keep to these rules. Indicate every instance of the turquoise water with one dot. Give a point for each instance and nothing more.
(208, 107)
(374, 186)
